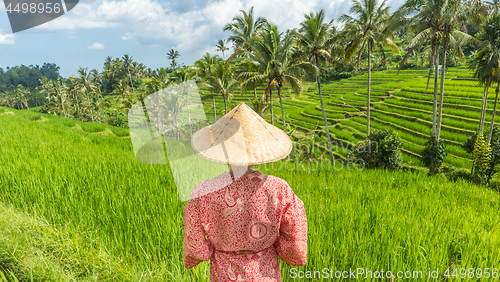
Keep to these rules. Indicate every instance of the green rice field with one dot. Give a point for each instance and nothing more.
(76, 205)
(399, 102)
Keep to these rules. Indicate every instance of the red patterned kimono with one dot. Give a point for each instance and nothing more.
(248, 223)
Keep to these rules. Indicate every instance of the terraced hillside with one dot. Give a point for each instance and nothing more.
(399, 102)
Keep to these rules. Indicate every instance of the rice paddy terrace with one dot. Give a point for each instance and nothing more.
(398, 101)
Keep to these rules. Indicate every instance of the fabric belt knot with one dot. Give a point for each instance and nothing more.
(243, 252)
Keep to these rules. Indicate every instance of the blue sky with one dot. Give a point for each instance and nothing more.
(144, 29)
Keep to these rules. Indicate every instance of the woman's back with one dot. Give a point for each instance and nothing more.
(247, 224)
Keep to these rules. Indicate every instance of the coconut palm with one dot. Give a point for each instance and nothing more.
(276, 65)
(183, 75)
(245, 30)
(249, 67)
(84, 83)
(204, 69)
(122, 90)
(174, 105)
(452, 38)
(222, 47)
(97, 80)
(154, 84)
(20, 95)
(427, 18)
(368, 26)
(315, 40)
(223, 81)
(61, 90)
(127, 66)
(486, 64)
(259, 107)
(493, 7)
(172, 55)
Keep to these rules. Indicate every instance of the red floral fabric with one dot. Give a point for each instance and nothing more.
(243, 227)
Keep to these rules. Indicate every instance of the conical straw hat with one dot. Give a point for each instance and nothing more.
(242, 137)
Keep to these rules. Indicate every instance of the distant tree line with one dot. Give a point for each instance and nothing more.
(27, 76)
(19, 84)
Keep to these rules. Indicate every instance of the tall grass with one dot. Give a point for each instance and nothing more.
(371, 219)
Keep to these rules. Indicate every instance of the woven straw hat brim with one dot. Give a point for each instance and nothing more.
(242, 137)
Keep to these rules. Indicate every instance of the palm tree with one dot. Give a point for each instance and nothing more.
(244, 31)
(222, 47)
(127, 65)
(276, 64)
(83, 83)
(183, 75)
(259, 107)
(315, 39)
(486, 64)
(426, 18)
(172, 55)
(223, 81)
(122, 90)
(369, 26)
(247, 65)
(204, 68)
(20, 96)
(493, 7)
(174, 109)
(97, 80)
(61, 90)
(452, 37)
(53, 102)
(157, 82)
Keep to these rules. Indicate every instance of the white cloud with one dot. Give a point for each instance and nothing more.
(96, 45)
(191, 27)
(6, 38)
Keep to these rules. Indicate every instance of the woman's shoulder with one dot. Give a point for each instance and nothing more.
(275, 180)
(209, 186)
(278, 184)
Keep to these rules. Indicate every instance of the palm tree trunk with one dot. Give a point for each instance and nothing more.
(178, 130)
(359, 55)
(225, 103)
(255, 92)
(441, 91)
(213, 101)
(159, 119)
(62, 104)
(493, 114)
(282, 110)
(433, 48)
(368, 94)
(483, 109)
(189, 116)
(131, 84)
(434, 104)
(271, 100)
(324, 116)
(75, 102)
